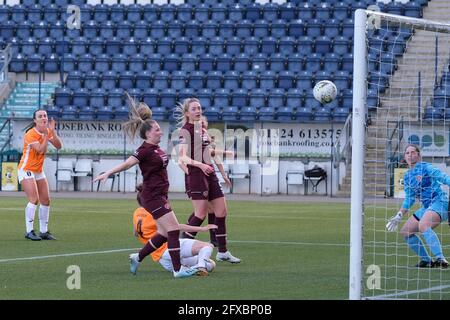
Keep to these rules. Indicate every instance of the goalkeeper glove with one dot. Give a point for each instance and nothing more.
(393, 222)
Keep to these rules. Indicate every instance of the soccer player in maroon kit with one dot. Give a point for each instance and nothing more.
(153, 162)
(194, 151)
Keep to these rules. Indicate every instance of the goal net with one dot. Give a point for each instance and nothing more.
(400, 97)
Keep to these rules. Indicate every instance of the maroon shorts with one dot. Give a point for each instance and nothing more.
(157, 206)
(186, 186)
(204, 187)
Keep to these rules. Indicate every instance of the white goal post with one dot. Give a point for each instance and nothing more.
(365, 20)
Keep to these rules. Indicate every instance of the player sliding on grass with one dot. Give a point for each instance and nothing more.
(153, 162)
(193, 253)
(423, 181)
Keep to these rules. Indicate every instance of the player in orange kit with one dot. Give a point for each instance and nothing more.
(31, 175)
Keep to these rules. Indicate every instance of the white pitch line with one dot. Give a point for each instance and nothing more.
(405, 293)
(134, 249)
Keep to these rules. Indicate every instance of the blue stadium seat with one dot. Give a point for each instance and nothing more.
(96, 46)
(347, 97)
(257, 98)
(119, 63)
(267, 80)
(340, 11)
(331, 62)
(196, 80)
(130, 46)
(206, 62)
(276, 98)
(221, 98)
(323, 12)
(205, 96)
(79, 46)
(18, 13)
(341, 45)
(86, 113)
(126, 80)
(198, 46)
(164, 45)
(304, 114)
(151, 97)
(109, 80)
(141, 30)
(68, 62)
(178, 80)
(97, 98)
(85, 63)
(259, 62)
(4, 12)
(181, 45)
(323, 75)
(269, 45)
(288, 11)
(253, 12)
(305, 45)
(209, 29)
(134, 12)
(86, 11)
(267, 113)
(90, 29)
(224, 62)
(231, 80)
(69, 113)
(45, 46)
(296, 28)
(185, 93)
(118, 13)
(286, 80)
(230, 113)
(251, 46)
(322, 114)
(175, 29)
(286, 114)
(124, 30)
(215, 46)
(188, 62)
(241, 62)
(34, 63)
(136, 63)
(105, 113)
(7, 29)
(270, 12)
(201, 13)
(214, 80)
(287, 45)
(248, 113)
(63, 96)
(53, 111)
(213, 113)
(295, 62)
(313, 62)
(147, 47)
(153, 62)
(40, 30)
(23, 31)
(120, 113)
(191, 29)
(106, 29)
(279, 29)
(441, 98)
(313, 28)
(233, 45)
(323, 45)
(340, 114)
(91, 80)
(185, 12)
(395, 45)
(412, 9)
(151, 12)
(101, 12)
(261, 29)
(56, 30)
(226, 29)
(311, 102)
(332, 28)
(236, 13)
(348, 27)
(29, 47)
(143, 79)
(161, 80)
(294, 98)
(80, 97)
(168, 98)
(159, 113)
(304, 80)
(244, 29)
(347, 62)
(249, 80)
(432, 113)
(115, 97)
(239, 98)
(112, 46)
(342, 80)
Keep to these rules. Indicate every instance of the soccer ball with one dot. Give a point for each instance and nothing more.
(325, 91)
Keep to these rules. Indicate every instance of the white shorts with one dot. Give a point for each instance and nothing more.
(22, 175)
(186, 256)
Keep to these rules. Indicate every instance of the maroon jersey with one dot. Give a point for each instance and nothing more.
(153, 162)
(198, 141)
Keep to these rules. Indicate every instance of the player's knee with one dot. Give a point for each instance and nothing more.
(45, 202)
(33, 200)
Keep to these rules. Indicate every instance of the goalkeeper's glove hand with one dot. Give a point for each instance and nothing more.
(393, 222)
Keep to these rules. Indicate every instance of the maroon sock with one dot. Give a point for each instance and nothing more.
(173, 245)
(212, 232)
(154, 243)
(193, 221)
(221, 234)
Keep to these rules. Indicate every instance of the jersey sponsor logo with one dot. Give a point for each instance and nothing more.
(29, 173)
(205, 194)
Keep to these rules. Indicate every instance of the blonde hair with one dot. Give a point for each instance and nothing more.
(140, 118)
(180, 111)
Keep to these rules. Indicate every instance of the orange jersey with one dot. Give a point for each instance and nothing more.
(145, 228)
(31, 160)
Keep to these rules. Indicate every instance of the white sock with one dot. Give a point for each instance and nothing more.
(30, 211)
(44, 212)
(203, 256)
